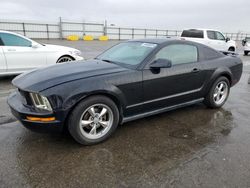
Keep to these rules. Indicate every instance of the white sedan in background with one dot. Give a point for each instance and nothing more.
(19, 54)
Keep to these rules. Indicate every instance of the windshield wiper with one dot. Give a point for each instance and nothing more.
(107, 60)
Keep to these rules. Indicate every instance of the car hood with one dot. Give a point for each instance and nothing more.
(44, 78)
(60, 48)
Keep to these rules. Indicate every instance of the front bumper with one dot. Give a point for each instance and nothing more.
(21, 111)
(78, 58)
(247, 48)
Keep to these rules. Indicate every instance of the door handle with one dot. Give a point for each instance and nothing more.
(11, 50)
(195, 70)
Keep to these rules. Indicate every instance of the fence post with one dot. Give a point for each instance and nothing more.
(24, 32)
(47, 30)
(105, 28)
(145, 33)
(83, 28)
(119, 33)
(166, 33)
(156, 33)
(176, 33)
(133, 30)
(60, 28)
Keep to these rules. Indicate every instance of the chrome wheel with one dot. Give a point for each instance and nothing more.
(64, 59)
(220, 93)
(96, 121)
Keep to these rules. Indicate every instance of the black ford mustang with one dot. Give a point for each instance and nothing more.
(131, 80)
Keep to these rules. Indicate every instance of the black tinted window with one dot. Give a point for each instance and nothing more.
(178, 53)
(209, 53)
(1, 42)
(13, 40)
(211, 35)
(192, 33)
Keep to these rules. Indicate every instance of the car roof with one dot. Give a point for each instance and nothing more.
(201, 29)
(154, 40)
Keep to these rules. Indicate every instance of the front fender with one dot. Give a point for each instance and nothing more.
(66, 96)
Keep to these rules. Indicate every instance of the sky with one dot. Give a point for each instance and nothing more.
(225, 15)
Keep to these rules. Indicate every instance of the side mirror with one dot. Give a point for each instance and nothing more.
(161, 63)
(227, 39)
(34, 45)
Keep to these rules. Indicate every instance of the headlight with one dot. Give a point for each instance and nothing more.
(76, 52)
(40, 101)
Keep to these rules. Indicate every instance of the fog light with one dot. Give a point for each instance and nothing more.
(48, 119)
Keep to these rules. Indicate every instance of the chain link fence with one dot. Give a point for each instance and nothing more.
(62, 29)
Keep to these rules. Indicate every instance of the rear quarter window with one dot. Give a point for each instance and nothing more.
(207, 53)
(193, 33)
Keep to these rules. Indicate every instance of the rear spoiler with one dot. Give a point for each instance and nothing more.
(230, 53)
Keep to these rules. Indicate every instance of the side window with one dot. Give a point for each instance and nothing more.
(13, 40)
(179, 53)
(1, 42)
(219, 36)
(211, 35)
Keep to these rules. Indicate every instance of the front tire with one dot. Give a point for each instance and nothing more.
(231, 49)
(93, 120)
(64, 59)
(218, 93)
(246, 53)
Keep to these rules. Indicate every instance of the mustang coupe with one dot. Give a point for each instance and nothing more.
(131, 80)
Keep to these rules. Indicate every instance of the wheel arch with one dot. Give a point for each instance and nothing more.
(231, 47)
(65, 55)
(219, 73)
(115, 98)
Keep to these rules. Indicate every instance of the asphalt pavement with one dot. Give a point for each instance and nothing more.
(190, 147)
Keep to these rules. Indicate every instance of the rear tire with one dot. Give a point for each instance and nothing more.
(93, 120)
(246, 52)
(231, 49)
(218, 93)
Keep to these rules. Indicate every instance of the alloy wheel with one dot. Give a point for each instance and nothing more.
(96, 121)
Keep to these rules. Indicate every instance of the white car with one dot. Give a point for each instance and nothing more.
(246, 45)
(19, 54)
(214, 39)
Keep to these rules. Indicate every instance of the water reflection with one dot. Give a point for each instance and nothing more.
(140, 153)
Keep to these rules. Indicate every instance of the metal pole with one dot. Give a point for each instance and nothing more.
(60, 28)
(166, 33)
(133, 33)
(156, 34)
(24, 32)
(119, 33)
(83, 28)
(145, 33)
(105, 28)
(47, 29)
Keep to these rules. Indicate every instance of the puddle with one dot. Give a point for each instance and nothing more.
(182, 133)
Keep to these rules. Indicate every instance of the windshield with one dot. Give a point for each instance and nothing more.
(247, 39)
(127, 53)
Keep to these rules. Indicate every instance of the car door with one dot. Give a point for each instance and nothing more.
(216, 40)
(20, 55)
(2, 60)
(221, 41)
(178, 84)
